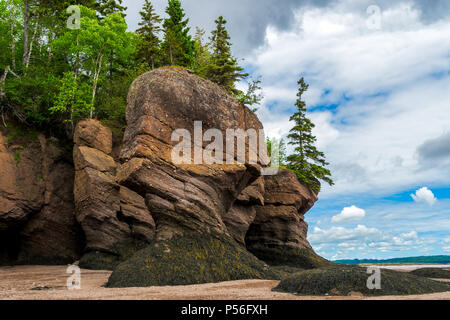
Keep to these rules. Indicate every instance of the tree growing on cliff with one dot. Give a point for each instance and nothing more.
(224, 69)
(149, 44)
(178, 47)
(307, 162)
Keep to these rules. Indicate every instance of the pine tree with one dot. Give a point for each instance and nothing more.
(178, 47)
(307, 162)
(224, 69)
(148, 46)
(107, 7)
(202, 55)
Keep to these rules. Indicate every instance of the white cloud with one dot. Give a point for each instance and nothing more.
(424, 195)
(349, 214)
(446, 249)
(390, 85)
(339, 234)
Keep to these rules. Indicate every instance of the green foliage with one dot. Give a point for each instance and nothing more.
(61, 75)
(307, 162)
(189, 260)
(72, 101)
(435, 273)
(202, 54)
(178, 47)
(148, 50)
(223, 69)
(341, 280)
(253, 96)
(277, 146)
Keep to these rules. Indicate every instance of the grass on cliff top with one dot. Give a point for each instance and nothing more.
(189, 260)
(341, 280)
(300, 258)
(435, 273)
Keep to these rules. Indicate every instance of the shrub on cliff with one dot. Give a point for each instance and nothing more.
(341, 280)
(436, 273)
(189, 260)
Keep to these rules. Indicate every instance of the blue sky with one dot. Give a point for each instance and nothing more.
(380, 100)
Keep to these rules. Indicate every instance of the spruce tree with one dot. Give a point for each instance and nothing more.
(178, 47)
(307, 162)
(148, 46)
(107, 7)
(224, 69)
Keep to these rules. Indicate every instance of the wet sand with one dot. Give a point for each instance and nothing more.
(16, 283)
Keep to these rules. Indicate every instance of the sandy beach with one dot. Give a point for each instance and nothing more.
(49, 283)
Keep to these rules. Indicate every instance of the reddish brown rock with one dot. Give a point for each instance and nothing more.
(280, 222)
(108, 213)
(182, 198)
(37, 221)
(91, 133)
(241, 215)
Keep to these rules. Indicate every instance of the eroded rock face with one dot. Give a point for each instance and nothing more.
(37, 221)
(243, 212)
(186, 198)
(109, 214)
(280, 221)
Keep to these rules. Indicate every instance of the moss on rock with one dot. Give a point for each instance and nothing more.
(292, 257)
(345, 279)
(97, 260)
(189, 260)
(436, 273)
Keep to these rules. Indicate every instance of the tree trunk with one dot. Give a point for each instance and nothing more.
(30, 50)
(3, 80)
(13, 42)
(26, 22)
(96, 76)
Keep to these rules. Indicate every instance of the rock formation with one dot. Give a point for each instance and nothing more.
(109, 214)
(184, 198)
(104, 208)
(37, 221)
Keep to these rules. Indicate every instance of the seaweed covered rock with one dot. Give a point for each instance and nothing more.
(188, 198)
(342, 280)
(278, 233)
(435, 273)
(189, 260)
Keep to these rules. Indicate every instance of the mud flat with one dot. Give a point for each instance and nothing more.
(49, 283)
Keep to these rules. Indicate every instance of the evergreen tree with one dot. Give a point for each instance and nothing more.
(307, 162)
(202, 55)
(107, 7)
(148, 46)
(224, 69)
(178, 47)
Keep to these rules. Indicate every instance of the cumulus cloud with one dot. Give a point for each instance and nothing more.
(349, 214)
(424, 195)
(340, 234)
(380, 91)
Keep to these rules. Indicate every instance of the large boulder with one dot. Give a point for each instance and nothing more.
(37, 220)
(183, 198)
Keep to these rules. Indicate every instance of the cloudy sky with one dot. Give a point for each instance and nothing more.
(379, 75)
